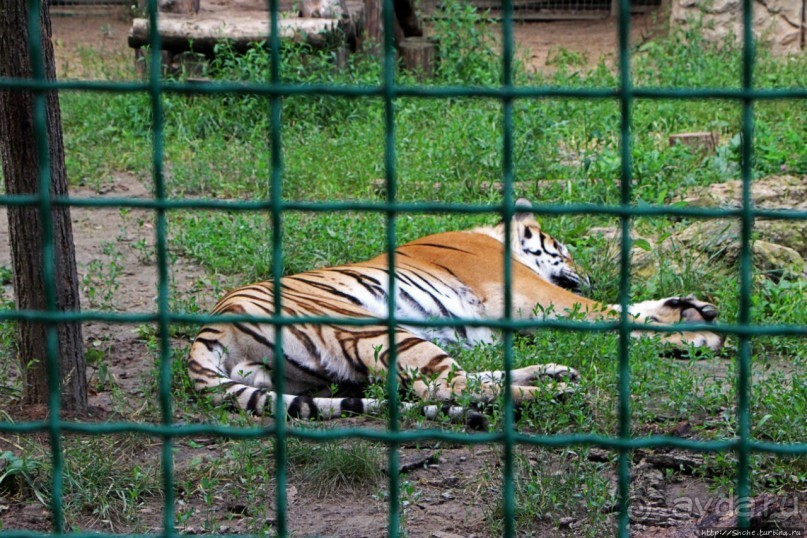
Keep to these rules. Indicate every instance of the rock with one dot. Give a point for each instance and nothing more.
(713, 236)
(775, 21)
(644, 264)
(777, 260)
(758, 509)
(780, 245)
(790, 233)
(695, 245)
(710, 240)
(772, 192)
(648, 505)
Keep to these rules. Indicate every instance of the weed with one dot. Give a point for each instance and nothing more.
(19, 475)
(104, 483)
(100, 283)
(140, 244)
(10, 372)
(333, 466)
(468, 56)
(95, 356)
(553, 484)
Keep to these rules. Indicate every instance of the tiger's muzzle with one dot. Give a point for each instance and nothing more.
(572, 281)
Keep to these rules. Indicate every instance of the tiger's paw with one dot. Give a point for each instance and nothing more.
(540, 373)
(682, 310)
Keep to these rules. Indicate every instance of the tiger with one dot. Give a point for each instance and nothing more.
(450, 275)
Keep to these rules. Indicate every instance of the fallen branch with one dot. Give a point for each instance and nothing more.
(419, 462)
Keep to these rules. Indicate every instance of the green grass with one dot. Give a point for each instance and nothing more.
(106, 480)
(218, 147)
(332, 467)
(10, 373)
(552, 485)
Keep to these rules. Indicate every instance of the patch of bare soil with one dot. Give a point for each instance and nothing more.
(116, 276)
(94, 35)
(538, 43)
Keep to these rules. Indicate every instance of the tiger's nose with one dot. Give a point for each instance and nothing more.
(583, 284)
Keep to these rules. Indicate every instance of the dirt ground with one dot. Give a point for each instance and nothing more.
(452, 503)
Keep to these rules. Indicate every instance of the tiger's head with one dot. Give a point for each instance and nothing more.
(537, 250)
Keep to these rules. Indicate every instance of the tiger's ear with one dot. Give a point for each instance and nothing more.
(523, 203)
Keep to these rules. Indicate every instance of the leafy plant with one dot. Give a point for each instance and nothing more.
(101, 281)
(18, 474)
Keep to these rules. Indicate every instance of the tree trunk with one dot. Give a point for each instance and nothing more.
(21, 175)
(374, 27)
(418, 56)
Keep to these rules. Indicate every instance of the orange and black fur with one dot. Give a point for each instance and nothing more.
(452, 275)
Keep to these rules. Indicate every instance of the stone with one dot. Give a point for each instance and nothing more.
(779, 246)
(777, 22)
(773, 192)
(777, 260)
(790, 233)
(723, 6)
(716, 240)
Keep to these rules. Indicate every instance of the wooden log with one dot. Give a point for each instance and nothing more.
(703, 141)
(406, 23)
(203, 33)
(418, 56)
(352, 23)
(185, 7)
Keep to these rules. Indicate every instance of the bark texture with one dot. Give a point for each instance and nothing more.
(18, 152)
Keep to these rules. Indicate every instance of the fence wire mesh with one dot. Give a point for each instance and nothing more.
(743, 445)
(531, 10)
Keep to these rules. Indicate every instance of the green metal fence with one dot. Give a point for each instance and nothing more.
(389, 91)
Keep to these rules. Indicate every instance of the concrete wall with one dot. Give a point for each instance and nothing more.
(779, 22)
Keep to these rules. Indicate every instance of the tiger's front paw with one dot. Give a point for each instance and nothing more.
(682, 309)
(690, 309)
(537, 374)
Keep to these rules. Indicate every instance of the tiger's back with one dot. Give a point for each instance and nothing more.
(449, 276)
(238, 357)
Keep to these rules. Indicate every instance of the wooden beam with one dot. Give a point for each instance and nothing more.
(203, 33)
